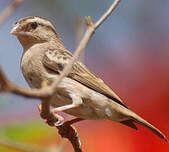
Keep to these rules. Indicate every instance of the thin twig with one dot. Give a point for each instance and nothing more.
(79, 34)
(10, 87)
(107, 13)
(9, 10)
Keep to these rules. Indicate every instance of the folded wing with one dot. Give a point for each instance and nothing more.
(56, 60)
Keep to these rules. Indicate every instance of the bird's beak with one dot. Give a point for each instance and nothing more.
(16, 29)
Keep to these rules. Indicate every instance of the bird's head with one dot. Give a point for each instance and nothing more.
(32, 30)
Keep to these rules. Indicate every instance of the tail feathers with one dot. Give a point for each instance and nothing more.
(129, 123)
(128, 117)
(151, 128)
(137, 119)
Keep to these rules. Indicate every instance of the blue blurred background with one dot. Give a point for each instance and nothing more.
(129, 52)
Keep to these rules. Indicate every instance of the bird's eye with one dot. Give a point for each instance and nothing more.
(34, 25)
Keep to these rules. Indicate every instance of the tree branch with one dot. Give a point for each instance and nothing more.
(107, 13)
(67, 131)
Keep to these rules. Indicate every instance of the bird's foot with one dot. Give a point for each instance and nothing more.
(54, 120)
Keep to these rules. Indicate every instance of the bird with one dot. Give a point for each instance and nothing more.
(83, 94)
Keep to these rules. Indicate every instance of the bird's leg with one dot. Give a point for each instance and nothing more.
(52, 118)
(45, 114)
(72, 121)
(77, 101)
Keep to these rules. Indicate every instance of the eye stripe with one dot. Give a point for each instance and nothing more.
(40, 21)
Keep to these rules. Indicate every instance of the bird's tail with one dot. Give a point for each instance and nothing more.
(134, 118)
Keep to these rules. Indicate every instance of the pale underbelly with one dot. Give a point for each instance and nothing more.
(95, 106)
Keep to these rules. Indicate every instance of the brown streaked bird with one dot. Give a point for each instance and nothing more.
(83, 94)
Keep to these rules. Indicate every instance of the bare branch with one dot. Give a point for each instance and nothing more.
(10, 87)
(9, 10)
(67, 131)
(79, 34)
(107, 13)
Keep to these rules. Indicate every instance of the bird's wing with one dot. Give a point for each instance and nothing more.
(56, 60)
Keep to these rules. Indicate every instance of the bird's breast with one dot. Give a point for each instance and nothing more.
(32, 68)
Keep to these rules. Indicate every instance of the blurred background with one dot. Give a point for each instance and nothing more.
(130, 52)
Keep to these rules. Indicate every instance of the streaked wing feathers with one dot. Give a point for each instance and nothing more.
(56, 60)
